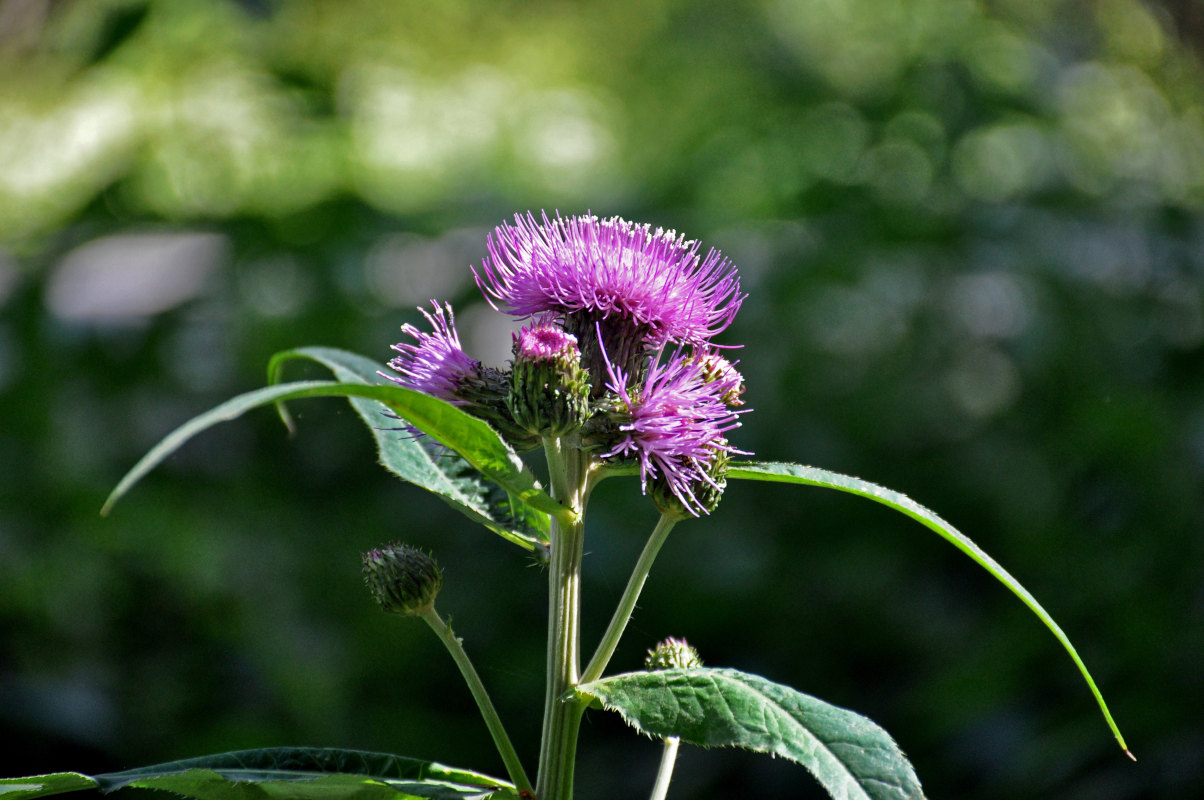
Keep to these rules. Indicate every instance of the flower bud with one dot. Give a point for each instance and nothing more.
(672, 654)
(717, 369)
(705, 489)
(403, 579)
(549, 389)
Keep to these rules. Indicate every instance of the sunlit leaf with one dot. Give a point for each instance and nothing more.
(470, 437)
(849, 755)
(813, 476)
(421, 460)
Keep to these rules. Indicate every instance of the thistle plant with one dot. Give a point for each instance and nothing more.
(618, 371)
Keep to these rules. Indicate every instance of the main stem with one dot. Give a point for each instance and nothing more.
(568, 472)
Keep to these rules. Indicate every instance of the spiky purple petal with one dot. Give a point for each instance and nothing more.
(654, 280)
(436, 364)
(674, 425)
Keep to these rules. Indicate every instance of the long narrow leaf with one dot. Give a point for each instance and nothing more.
(465, 434)
(849, 755)
(813, 476)
(421, 460)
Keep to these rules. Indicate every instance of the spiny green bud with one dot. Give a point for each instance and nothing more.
(403, 579)
(706, 491)
(549, 389)
(672, 654)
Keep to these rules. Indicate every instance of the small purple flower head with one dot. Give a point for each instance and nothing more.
(437, 365)
(675, 427)
(653, 282)
(544, 343)
(549, 389)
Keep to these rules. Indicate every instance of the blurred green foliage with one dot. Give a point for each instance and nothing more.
(971, 236)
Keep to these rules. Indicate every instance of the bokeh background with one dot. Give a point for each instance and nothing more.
(971, 237)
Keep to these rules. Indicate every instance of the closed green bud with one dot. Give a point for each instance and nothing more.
(402, 579)
(672, 654)
(549, 389)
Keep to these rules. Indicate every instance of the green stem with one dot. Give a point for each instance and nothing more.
(514, 767)
(665, 774)
(568, 470)
(622, 615)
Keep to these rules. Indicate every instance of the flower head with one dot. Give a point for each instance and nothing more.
(436, 365)
(549, 389)
(674, 426)
(654, 281)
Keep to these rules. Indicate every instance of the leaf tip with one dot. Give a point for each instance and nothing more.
(1129, 753)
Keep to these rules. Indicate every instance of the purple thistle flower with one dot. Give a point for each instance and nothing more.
(654, 281)
(674, 425)
(437, 365)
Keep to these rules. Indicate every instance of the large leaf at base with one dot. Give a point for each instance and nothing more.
(287, 773)
(422, 461)
(813, 476)
(849, 755)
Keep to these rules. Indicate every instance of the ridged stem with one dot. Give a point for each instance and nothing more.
(568, 472)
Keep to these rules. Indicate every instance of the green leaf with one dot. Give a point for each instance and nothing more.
(848, 754)
(287, 773)
(421, 460)
(813, 476)
(470, 437)
(43, 785)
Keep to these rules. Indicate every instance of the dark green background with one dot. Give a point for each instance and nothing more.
(971, 239)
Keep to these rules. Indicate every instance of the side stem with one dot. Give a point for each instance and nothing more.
(665, 773)
(514, 767)
(622, 615)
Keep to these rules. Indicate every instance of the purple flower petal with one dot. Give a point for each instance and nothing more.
(436, 364)
(675, 425)
(654, 279)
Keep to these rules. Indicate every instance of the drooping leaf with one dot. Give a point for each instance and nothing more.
(813, 476)
(470, 437)
(848, 754)
(421, 460)
(287, 773)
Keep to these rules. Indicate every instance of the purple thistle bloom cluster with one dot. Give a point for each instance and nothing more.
(612, 297)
